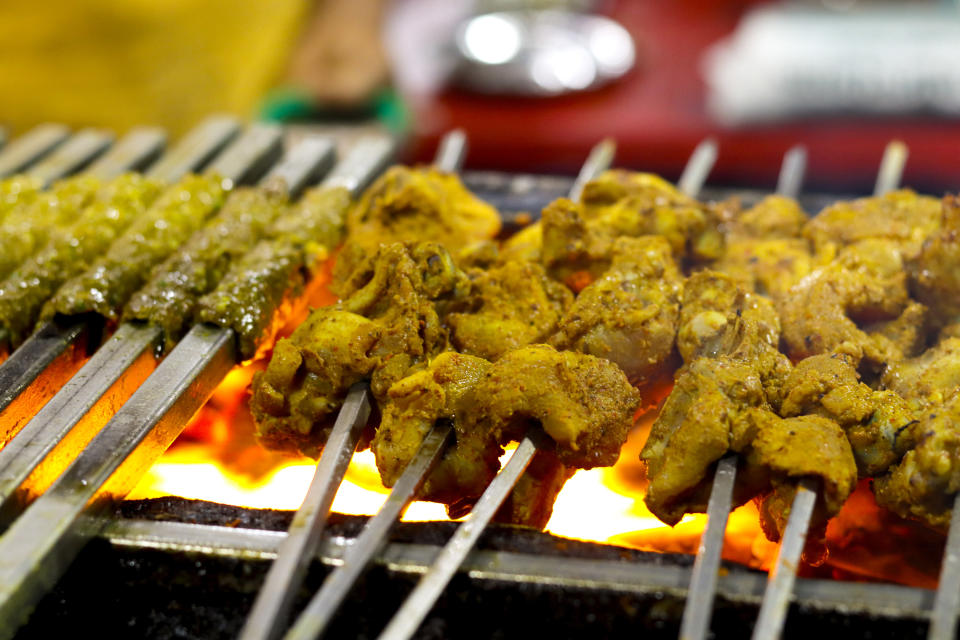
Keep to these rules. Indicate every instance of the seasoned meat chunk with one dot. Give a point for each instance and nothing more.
(630, 314)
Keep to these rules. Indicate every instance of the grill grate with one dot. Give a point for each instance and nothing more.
(602, 578)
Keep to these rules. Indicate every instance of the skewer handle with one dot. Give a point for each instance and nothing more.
(451, 151)
(363, 162)
(306, 162)
(30, 147)
(891, 167)
(196, 148)
(136, 150)
(73, 155)
(250, 155)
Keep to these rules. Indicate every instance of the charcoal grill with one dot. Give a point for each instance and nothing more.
(538, 582)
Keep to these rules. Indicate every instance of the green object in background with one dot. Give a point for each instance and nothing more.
(293, 105)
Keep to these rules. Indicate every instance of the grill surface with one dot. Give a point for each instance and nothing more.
(154, 578)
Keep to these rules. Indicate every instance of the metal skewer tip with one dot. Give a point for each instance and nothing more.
(776, 598)
(600, 158)
(451, 151)
(792, 171)
(418, 604)
(891, 167)
(698, 167)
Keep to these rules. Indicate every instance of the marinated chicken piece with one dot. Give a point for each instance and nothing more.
(412, 406)
(928, 380)
(386, 328)
(713, 305)
(585, 404)
(728, 338)
(793, 448)
(829, 386)
(578, 236)
(764, 250)
(525, 245)
(630, 314)
(902, 217)
(705, 416)
(864, 289)
(924, 484)
(507, 307)
(935, 273)
(413, 204)
(773, 217)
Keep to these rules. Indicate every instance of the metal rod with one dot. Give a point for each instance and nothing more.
(269, 615)
(125, 448)
(698, 168)
(318, 614)
(44, 447)
(776, 598)
(451, 151)
(792, 170)
(48, 358)
(863, 598)
(197, 148)
(30, 147)
(73, 155)
(418, 604)
(139, 148)
(943, 621)
(599, 160)
(310, 159)
(891, 167)
(70, 420)
(698, 609)
(271, 609)
(41, 543)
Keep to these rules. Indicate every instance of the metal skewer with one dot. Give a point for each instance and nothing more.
(698, 167)
(270, 611)
(946, 604)
(418, 604)
(48, 535)
(698, 609)
(776, 598)
(318, 614)
(34, 372)
(30, 147)
(28, 463)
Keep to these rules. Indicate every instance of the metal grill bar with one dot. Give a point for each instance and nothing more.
(523, 568)
(27, 149)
